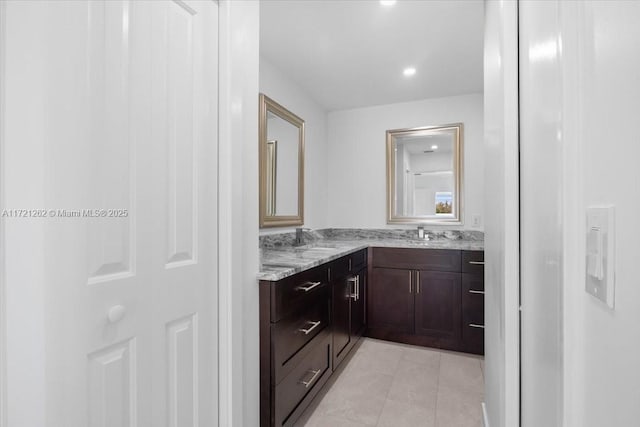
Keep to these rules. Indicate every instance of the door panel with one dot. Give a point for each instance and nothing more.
(438, 303)
(111, 166)
(341, 316)
(175, 88)
(182, 373)
(390, 300)
(112, 386)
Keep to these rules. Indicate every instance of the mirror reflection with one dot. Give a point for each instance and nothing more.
(423, 172)
(281, 165)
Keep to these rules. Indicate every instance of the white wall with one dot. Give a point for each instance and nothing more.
(277, 86)
(601, 108)
(501, 215)
(590, 61)
(357, 156)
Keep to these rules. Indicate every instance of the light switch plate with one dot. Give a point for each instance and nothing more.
(600, 253)
(476, 220)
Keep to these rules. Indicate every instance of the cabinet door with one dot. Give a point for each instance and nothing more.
(341, 316)
(438, 304)
(358, 303)
(390, 300)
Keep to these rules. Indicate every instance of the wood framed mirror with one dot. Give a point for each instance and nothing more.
(281, 160)
(424, 175)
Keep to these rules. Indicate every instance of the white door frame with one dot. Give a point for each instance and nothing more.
(238, 213)
(502, 240)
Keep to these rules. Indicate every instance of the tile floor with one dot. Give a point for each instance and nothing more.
(389, 384)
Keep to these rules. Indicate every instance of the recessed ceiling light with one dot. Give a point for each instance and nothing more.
(409, 71)
(434, 147)
(387, 2)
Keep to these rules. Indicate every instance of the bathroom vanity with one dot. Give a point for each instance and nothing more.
(308, 324)
(317, 300)
(430, 297)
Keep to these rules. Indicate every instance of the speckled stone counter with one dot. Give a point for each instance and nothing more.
(280, 258)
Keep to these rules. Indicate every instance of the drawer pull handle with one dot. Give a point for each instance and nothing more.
(312, 379)
(353, 285)
(308, 331)
(471, 291)
(473, 325)
(306, 287)
(476, 262)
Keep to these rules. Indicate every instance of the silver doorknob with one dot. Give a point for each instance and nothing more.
(116, 313)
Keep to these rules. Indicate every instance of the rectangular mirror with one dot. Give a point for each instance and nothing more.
(424, 175)
(281, 157)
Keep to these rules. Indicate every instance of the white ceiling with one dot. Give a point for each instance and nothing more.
(351, 53)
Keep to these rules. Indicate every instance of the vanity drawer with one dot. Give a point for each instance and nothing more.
(473, 262)
(295, 331)
(473, 312)
(417, 259)
(474, 282)
(292, 294)
(313, 370)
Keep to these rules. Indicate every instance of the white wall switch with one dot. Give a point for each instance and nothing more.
(600, 257)
(476, 220)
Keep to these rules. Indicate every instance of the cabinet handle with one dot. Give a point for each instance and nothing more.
(357, 287)
(312, 379)
(353, 281)
(417, 282)
(410, 276)
(349, 264)
(471, 291)
(308, 331)
(476, 262)
(473, 325)
(306, 287)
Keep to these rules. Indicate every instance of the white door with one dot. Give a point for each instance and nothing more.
(112, 116)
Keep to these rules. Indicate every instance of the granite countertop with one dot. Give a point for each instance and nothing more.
(281, 261)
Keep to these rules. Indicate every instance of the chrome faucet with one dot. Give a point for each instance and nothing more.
(422, 234)
(300, 235)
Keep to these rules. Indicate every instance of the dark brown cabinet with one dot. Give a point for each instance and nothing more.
(437, 304)
(473, 301)
(309, 322)
(341, 316)
(391, 300)
(348, 281)
(358, 306)
(423, 297)
(295, 344)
